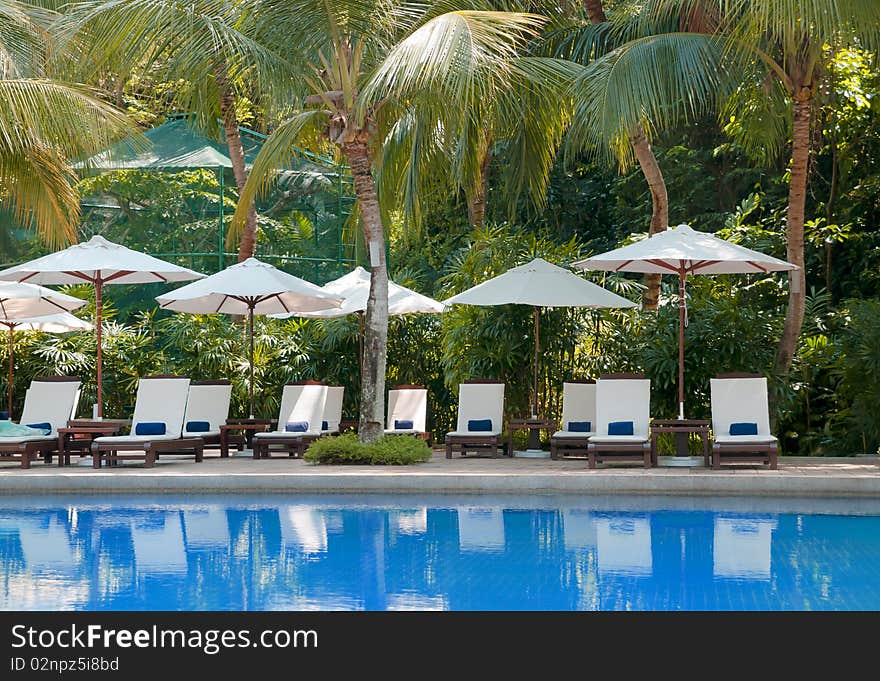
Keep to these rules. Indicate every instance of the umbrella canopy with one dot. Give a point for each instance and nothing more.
(28, 300)
(98, 262)
(354, 288)
(539, 284)
(61, 322)
(684, 251)
(250, 287)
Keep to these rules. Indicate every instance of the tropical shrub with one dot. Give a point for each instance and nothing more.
(395, 450)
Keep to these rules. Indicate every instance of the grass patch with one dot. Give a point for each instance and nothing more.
(394, 450)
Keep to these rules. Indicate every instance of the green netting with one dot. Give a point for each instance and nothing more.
(164, 198)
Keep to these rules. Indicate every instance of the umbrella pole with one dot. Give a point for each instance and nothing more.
(99, 283)
(11, 364)
(681, 312)
(251, 334)
(535, 368)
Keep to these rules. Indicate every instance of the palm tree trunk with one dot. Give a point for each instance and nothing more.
(595, 11)
(247, 245)
(372, 405)
(477, 202)
(660, 208)
(653, 176)
(794, 231)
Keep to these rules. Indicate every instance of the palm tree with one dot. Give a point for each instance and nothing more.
(44, 124)
(592, 44)
(367, 70)
(196, 42)
(667, 76)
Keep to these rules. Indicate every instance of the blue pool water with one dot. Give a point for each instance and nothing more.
(445, 552)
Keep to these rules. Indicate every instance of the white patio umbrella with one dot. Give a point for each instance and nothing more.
(248, 288)
(539, 284)
(20, 301)
(684, 251)
(98, 262)
(354, 288)
(62, 322)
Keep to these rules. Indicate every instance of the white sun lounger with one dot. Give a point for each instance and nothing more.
(407, 403)
(207, 408)
(160, 405)
(302, 406)
(332, 415)
(740, 400)
(480, 402)
(622, 399)
(578, 407)
(51, 400)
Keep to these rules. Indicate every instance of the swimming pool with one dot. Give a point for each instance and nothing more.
(342, 552)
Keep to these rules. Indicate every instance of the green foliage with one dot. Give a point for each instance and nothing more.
(393, 450)
(858, 367)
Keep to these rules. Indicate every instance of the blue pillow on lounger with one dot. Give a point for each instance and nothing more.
(404, 424)
(4, 415)
(41, 426)
(579, 426)
(480, 425)
(150, 428)
(620, 428)
(325, 425)
(197, 426)
(743, 428)
(297, 426)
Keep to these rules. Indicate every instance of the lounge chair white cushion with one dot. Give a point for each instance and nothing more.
(478, 401)
(207, 403)
(159, 400)
(563, 434)
(408, 431)
(333, 408)
(300, 403)
(281, 435)
(744, 439)
(618, 439)
(740, 400)
(27, 438)
(52, 402)
(578, 404)
(623, 399)
(407, 404)
(473, 433)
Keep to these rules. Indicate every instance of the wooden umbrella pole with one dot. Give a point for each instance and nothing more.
(535, 368)
(251, 334)
(681, 313)
(11, 364)
(99, 283)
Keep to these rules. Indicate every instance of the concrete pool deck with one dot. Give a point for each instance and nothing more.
(797, 476)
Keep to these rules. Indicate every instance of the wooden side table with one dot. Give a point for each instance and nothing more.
(534, 426)
(247, 426)
(78, 435)
(681, 429)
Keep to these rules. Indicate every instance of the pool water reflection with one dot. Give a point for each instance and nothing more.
(445, 553)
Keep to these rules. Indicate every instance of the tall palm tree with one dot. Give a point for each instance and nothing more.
(196, 41)
(43, 124)
(592, 43)
(367, 70)
(666, 76)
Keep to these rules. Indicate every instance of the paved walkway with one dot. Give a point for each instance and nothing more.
(797, 476)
